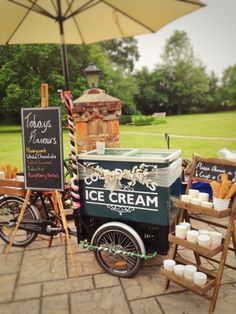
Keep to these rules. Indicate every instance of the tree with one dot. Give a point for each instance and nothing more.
(151, 96)
(228, 86)
(187, 81)
(122, 52)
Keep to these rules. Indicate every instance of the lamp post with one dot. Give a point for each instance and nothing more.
(92, 73)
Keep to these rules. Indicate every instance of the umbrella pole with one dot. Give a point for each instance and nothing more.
(67, 100)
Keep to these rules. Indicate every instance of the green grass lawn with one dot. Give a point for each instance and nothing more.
(220, 125)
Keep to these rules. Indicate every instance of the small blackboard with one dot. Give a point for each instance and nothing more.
(42, 148)
(213, 171)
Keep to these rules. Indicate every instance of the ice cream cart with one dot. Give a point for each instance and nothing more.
(126, 204)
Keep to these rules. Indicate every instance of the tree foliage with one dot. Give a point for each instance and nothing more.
(122, 52)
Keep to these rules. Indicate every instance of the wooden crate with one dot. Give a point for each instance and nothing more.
(12, 187)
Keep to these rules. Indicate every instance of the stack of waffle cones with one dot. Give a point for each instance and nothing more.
(9, 171)
(224, 189)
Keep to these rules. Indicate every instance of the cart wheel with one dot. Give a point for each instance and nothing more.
(118, 236)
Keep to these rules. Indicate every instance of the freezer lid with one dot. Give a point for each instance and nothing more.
(136, 155)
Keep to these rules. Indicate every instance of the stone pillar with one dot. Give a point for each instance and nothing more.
(96, 117)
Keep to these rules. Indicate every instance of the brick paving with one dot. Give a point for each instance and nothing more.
(41, 280)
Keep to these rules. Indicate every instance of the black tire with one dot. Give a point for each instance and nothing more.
(9, 211)
(118, 238)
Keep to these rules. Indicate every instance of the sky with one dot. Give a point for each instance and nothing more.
(212, 33)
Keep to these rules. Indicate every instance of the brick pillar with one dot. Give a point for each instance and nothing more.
(96, 117)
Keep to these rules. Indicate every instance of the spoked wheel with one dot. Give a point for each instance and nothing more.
(118, 237)
(9, 211)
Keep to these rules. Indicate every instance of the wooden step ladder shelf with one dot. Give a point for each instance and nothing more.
(202, 169)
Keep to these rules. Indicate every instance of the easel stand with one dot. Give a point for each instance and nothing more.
(189, 212)
(57, 203)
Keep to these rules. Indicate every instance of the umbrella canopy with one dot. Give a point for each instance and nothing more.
(85, 21)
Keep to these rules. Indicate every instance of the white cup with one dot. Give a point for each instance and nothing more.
(186, 198)
(195, 201)
(192, 236)
(181, 231)
(199, 278)
(189, 271)
(193, 193)
(179, 270)
(216, 238)
(203, 196)
(203, 231)
(169, 264)
(204, 240)
(2, 175)
(187, 224)
(100, 146)
(206, 204)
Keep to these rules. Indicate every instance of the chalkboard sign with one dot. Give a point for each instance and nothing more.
(212, 171)
(42, 148)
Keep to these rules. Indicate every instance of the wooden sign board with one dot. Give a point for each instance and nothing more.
(42, 148)
(210, 170)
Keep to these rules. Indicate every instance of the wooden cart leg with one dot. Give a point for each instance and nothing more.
(64, 222)
(28, 193)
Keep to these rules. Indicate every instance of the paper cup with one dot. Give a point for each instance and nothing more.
(2, 175)
(195, 201)
(216, 238)
(203, 231)
(204, 240)
(186, 224)
(189, 270)
(192, 236)
(193, 193)
(181, 231)
(169, 264)
(220, 204)
(179, 270)
(206, 204)
(199, 278)
(186, 198)
(100, 146)
(203, 196)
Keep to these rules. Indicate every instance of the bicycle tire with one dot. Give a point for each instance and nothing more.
(10, 207)
(118, 237)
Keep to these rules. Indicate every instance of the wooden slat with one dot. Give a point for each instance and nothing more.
(202, 210)
(188, 284)
(195, 247)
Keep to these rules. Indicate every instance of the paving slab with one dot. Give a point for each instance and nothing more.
(68, 285)
(23, 307)
(11, 264)
(55, 305)
(146, 306)
(100, 301)
(25, 292)
(7, 286)
(43, 265)
(148, 282)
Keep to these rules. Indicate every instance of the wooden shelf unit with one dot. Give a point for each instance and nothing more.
(189, 211)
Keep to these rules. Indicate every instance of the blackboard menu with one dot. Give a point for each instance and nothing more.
(42, 148)
(213, 171)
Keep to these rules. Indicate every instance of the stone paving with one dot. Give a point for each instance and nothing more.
(41, 280)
